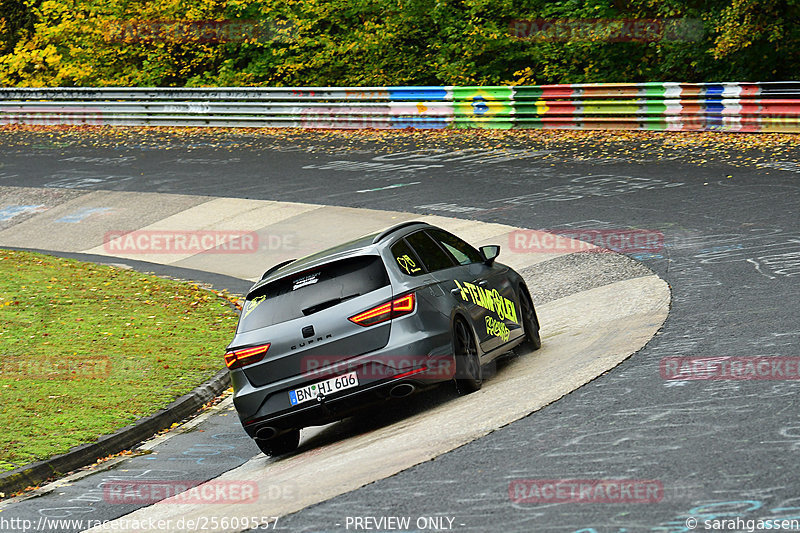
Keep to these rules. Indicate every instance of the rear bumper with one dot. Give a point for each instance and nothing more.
(330, 409)
(378, 373)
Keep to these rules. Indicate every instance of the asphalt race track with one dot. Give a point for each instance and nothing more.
(719, 449)
(600, 308)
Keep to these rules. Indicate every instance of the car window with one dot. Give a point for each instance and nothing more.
(406, 259)
(311, 291)
(460, 250)
(431, 254)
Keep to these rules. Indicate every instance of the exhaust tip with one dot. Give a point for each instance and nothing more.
(266, 433)
(402, 390)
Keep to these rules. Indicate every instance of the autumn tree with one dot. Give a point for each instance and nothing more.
(15, 17)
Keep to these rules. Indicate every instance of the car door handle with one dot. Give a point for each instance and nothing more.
(483, 283)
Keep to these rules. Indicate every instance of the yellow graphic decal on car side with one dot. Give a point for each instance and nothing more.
(497, 328)
(490, 300)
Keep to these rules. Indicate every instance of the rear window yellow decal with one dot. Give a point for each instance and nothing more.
(407, 264)
(252, 304)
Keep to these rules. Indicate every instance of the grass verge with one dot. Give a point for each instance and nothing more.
(86, 349)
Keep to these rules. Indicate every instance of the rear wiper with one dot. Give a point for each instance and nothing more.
(328, 303)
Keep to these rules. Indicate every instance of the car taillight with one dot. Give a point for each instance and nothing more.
(394, 309)
(245, 356)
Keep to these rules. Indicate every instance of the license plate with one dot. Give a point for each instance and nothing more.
(329, 386)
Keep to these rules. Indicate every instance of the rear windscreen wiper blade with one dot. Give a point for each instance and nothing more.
(327, 303)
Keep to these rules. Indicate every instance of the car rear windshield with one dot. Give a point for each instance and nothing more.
(311, 291)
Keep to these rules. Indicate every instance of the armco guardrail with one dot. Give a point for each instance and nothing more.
(742, 107)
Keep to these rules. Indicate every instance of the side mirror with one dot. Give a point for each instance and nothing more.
(490, 253)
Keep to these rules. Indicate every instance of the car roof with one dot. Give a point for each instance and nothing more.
(366, 245)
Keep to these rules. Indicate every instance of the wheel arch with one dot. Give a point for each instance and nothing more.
(522, 286)
(461, 314)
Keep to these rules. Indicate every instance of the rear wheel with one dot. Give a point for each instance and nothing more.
(284, 443)
(469, 374)
(530, 324)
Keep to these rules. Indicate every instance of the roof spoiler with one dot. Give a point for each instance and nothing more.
(276, 267)
(382, 235)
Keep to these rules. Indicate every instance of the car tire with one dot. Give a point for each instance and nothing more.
(469, 373)
(530, 323)
(284, 443)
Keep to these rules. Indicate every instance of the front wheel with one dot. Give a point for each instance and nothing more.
(284, 443)
(469, 373)
(530, 324)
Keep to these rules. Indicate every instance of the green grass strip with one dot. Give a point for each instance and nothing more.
(86, 349)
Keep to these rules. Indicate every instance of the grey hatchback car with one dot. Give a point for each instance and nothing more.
(378, 318)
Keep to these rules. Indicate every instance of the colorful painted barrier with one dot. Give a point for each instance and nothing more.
(668, 106)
